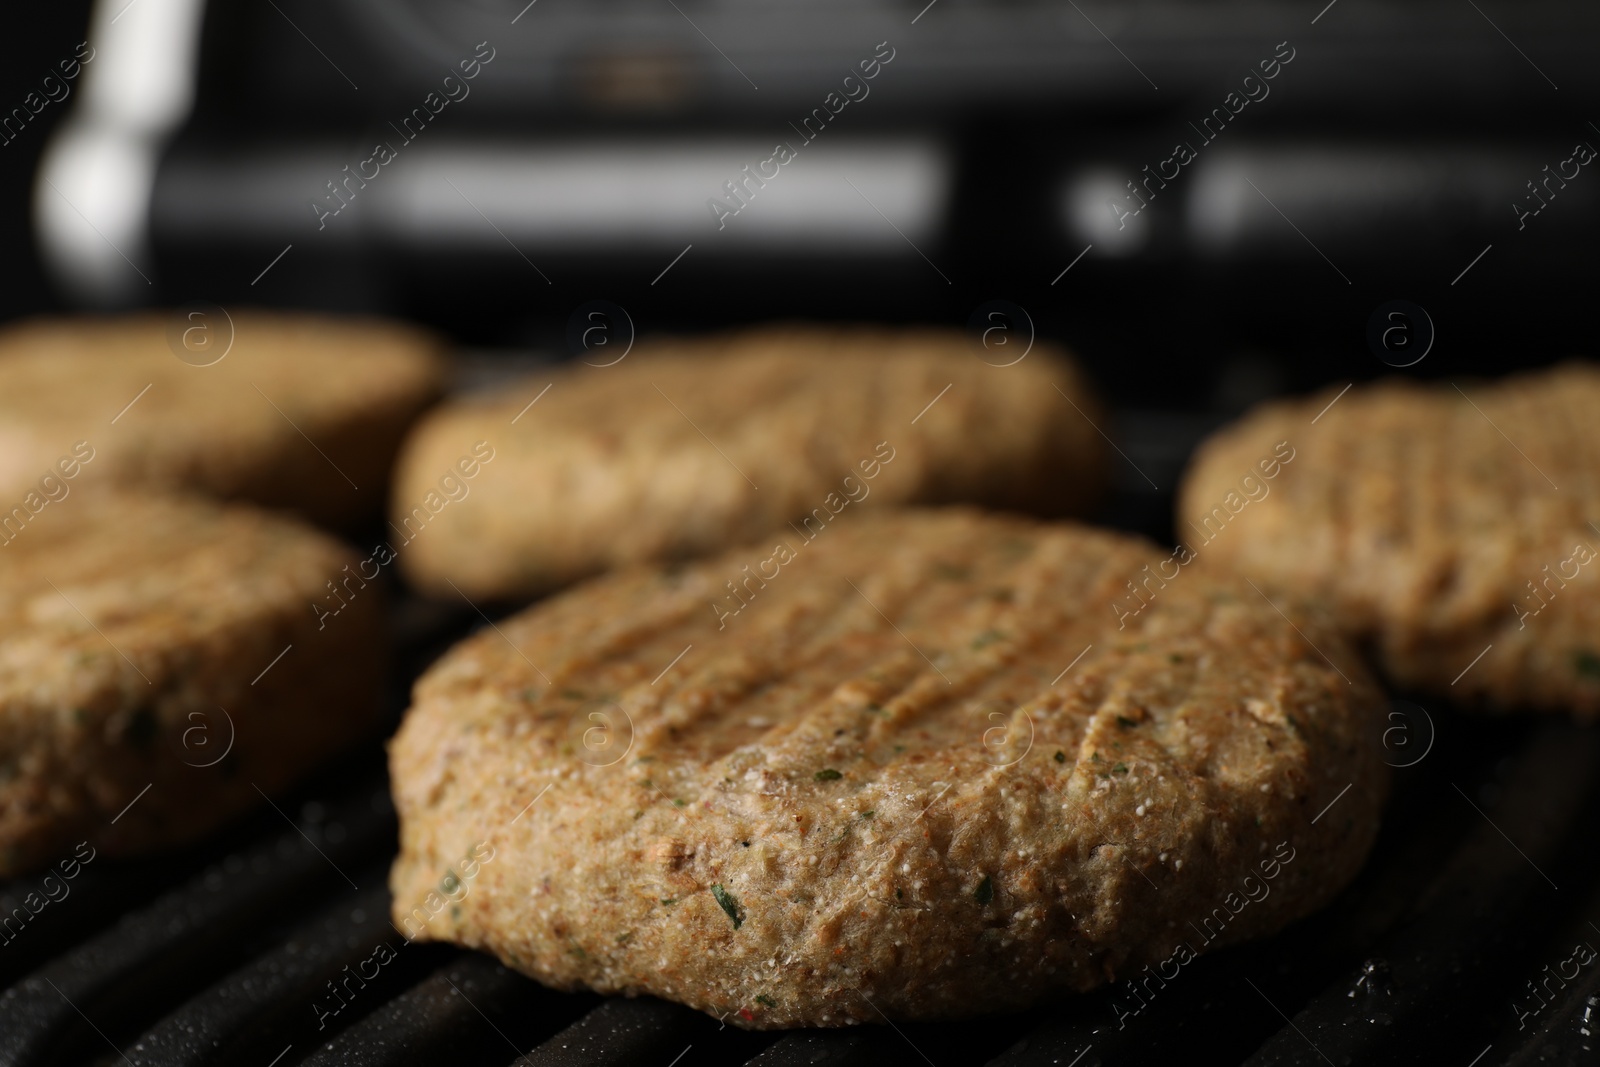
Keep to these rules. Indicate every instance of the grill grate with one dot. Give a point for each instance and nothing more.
(229, 953)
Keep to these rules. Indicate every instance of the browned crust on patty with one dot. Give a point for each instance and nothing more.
(135, 637)
(686, 447)
(248, 427)
(921, 772)
(1427, 517)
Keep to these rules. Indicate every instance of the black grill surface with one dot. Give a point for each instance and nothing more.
(1454, 945)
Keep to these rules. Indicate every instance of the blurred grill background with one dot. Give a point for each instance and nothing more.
(997, 145)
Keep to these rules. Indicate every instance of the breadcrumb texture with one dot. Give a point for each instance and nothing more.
(1430, 519)
(687, 447)
(135, 633)
(922, 773)
(248, 427)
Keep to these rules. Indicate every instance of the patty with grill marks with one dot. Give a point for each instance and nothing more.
(303, 412)
(160, 663)
(689, 446)
(1441, 523)
(921, 772)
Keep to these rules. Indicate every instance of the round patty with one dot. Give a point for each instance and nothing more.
(148, 690)
(687, 447)
(1441, 523)
(302, 412)
(921, 771)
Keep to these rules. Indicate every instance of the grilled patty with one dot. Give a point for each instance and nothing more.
(912, 765)
(146, 642)
(301, 412)
(1442, 523)
(687, 447)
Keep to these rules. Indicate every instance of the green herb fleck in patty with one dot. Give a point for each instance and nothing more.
(987, 638)
(729, 904)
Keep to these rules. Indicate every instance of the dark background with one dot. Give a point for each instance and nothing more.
(1159, 331)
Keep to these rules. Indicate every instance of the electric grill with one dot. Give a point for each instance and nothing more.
(260, 946)
(1396, 145)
